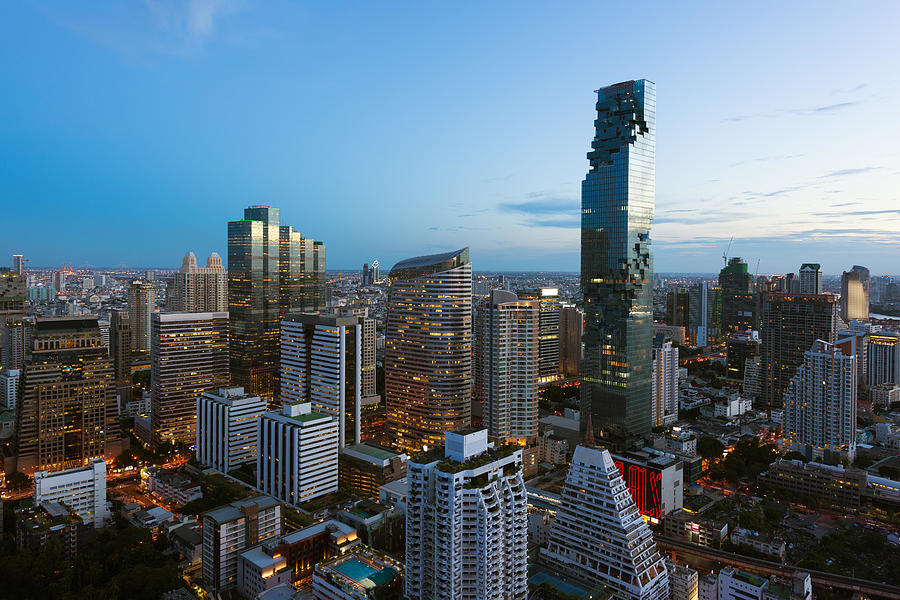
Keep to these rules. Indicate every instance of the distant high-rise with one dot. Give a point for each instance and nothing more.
(364, 280)
(189, 356)
(12, 293)
(854, 297)
(466, 521)
(18, 264)
(863, 275)
(428, 349)
(665, 382)
(200, 289)
(883, 357)
(507, 365)
(820, 403)
(789, 325)
(253, 304)
(738, 302)
(548, 301)
(571, 328)
(617, 201)
(68, 414)
(15, 340)
(739, 347)
(811, 278)
(302, 272)
(599, 535)
(321, 363)
(692, 307)
(141, 302)
(376, 271)
(120, 353)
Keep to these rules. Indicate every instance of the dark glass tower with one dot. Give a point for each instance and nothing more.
(617, 198)
(302, 273)
(253, 306)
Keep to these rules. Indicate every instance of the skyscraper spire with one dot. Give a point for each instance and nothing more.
(589, 433)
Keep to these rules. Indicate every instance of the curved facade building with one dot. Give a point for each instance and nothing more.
(428, 349)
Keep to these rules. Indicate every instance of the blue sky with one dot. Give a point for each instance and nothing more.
(131, 132)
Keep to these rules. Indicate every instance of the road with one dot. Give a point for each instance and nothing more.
(819, 579)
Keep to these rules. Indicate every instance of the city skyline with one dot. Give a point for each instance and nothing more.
(129, 116)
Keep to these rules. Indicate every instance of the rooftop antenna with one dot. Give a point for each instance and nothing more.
(725, 254)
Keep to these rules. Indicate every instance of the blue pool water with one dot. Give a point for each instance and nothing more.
(562, 586)
(356, 570)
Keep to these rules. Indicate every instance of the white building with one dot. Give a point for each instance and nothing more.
(811, 278)
(9, 388)
(298, 453)
(200, 289)
(885, 395)
(227, 428)
(733, 584)
(599, 535)
(683, 582)
(321, 363)
(261, 569)
(467, 521)
(820, 403)
(231, 529)
(883, 355)
(732, 406)
(708, 587)
(83, 490)
(664, 388)
(507, 365)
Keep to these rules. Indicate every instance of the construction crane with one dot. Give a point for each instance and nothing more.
(725, 254)
(755, 275)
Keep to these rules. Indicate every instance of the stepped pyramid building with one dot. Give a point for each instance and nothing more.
(599, 536)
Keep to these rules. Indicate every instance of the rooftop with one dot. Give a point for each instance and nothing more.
(231, 512)
(368, 452)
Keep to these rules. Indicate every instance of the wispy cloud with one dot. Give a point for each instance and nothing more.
(806, 111)
(767, 158)
(849, 90)
(546, 210)
(846, 172)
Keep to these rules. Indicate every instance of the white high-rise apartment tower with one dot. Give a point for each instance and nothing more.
(664, 386)
(820, 403)
(599, 535)
(227, 428)
(201, 289)
(466, 521)
(507, 365)
(810, 278)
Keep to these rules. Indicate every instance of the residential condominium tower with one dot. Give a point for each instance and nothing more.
(811, 278)
(598, 535)
(201, 289)
(189, 356)
(820, 403)
(120, 353)
(141, 303)
(548, 340)
(321, 363)
(428, 349)
(507, 365)
(466, 521)
(665, 381)
(67, 414)
(617, 200)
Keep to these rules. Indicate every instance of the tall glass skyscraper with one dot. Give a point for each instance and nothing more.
(617, 198)
(428, 349)
(253, 306)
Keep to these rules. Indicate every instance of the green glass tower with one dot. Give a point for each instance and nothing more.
(302, 273)
(738, 300)
(253, 299)
(617, 199)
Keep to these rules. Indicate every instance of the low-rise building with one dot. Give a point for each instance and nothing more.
(684, 442)
(83, 490)
(683, 581)
(656, 481)
(394, 494)
(732, 406)
(360, 574)
(759, 542)
(37, 525)
(187, 540)
(154, 518)
(734, 584)
(260, 569)
(304, 548)
(708, 587)
(366, 467)
(885, 396)
(378, 526)
(695, 529)
(171, 486)
(814, 481)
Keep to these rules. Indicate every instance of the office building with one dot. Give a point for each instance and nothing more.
(120, 353)
(428, 349)
(321, 363)
(854, 297)
(820, 403)
(365, 278)
(739, 348)
(253, 303)
(12, 293)
(548, 338)
(664, 387)
(683, 581)
(67, 411)
(810, 482)
(656, 482)
(737, 298)
(231, 529)
(790, 324)
(599, 536)
(360, 574)
(466, 521)
(15, 340)
(141, 305)
(571, 328)
(298, 454)
(200, 289)
(83, 490)
(227, 428)
(301, 272)
(508, 365)
(189, 356)
(883, 357)
(9, 388)
(617, 202)
(18, 264)
(811, 278)
(364, 468)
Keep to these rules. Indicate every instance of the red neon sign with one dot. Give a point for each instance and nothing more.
(645, 487)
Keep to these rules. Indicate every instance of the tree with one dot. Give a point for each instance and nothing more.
(710, 448)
